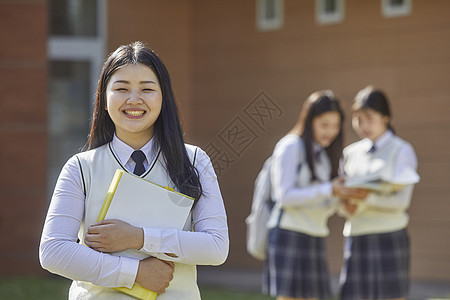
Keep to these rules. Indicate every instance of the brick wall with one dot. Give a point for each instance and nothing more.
(23, 115)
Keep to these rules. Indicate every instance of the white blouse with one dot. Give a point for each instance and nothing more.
(305, 205)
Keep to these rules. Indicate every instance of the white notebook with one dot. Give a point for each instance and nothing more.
(142, 203)
(384, 183)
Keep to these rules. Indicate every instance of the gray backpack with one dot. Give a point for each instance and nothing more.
(262, 204)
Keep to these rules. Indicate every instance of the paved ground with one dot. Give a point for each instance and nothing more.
(250, 281)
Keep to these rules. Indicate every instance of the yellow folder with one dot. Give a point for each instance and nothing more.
(144, 204)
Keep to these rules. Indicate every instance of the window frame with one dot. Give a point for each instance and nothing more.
(326, 18)
(264, 24)
(83, 48)
(80, 48)
(389, 11)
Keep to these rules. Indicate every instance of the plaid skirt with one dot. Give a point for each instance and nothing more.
(376, 266)
(296, 266)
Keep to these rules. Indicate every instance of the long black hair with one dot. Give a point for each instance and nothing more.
(168, 132)
(372, 98)
(318, 103)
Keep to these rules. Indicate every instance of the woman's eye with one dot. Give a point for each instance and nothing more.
(147, 90)
(121, 89)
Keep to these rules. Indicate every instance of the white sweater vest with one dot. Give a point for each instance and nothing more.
(358, 162)
(97, 170)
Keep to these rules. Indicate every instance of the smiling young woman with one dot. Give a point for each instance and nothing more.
(135, 112)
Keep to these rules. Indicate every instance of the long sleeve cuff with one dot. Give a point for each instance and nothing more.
(128, 272)
(327, 188)
(152, 240)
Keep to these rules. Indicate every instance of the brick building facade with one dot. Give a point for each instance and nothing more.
(225, 70)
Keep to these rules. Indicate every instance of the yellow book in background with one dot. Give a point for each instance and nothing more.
(144, 204)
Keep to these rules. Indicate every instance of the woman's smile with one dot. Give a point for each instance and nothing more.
(134, 113)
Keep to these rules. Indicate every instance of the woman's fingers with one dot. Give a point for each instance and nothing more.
(357, 194)
(170, 263)
(115, 235)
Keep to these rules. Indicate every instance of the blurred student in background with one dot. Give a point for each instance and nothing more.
(377, 251)
(304, 184)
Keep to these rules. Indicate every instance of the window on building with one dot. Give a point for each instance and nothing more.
(396, 8)
(269, 14)
(73, 18)
(68, 111)
(75, 56)
(329, 11)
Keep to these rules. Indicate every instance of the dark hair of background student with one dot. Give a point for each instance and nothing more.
(319, 103)
(372, 98)
(168, 132)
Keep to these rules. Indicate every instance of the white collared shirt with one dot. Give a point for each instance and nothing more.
(124, 151)
(288, 158)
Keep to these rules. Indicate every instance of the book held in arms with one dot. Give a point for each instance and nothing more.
(384, 183)
(142, 203)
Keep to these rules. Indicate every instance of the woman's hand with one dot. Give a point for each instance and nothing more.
(349, 206)
(342, 192)
(358, 194)
(338, 187)
(114, 235)
(155, 274)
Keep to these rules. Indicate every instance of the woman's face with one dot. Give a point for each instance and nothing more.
(326, 128)
(133, 101)
(369, 123)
